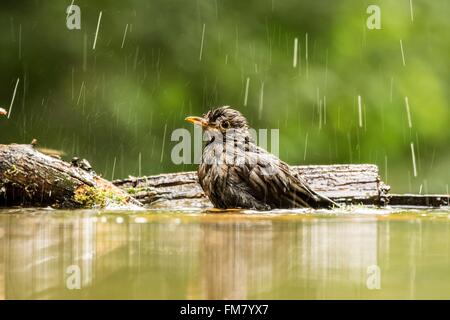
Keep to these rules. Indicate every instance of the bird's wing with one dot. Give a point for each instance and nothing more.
(272, 182)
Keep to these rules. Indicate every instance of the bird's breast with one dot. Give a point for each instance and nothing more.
(214, 169)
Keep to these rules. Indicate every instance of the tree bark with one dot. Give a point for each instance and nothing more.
(31, 178)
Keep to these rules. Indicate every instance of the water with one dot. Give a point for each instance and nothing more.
(194, 255)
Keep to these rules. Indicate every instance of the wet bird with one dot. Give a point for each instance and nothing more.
(235, 173)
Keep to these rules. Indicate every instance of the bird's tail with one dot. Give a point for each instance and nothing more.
(325, 202)
(309, 197)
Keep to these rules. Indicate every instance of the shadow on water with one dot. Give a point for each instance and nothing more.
(161, 255)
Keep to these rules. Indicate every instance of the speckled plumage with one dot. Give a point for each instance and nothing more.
(235, 173)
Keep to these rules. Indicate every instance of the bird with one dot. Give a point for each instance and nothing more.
(235, 173)
(3, 112)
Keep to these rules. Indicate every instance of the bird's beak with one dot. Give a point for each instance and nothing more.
(197, 120)
(3, 112)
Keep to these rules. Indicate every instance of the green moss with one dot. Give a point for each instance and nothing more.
(132, 190)
(136, 190)
(11, 171)
(118, 199)
(91, 197)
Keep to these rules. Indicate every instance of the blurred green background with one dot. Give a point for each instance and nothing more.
(120, 102)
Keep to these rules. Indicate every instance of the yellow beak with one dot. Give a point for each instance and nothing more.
(197, 120)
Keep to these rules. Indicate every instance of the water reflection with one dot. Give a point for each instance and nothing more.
(196, 256)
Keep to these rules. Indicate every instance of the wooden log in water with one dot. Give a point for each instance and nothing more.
(31, 178)
(418, 200)
(354, 183)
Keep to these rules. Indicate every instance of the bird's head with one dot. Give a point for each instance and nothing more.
(221, 120)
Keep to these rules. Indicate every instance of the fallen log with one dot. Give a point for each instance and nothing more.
(418, 200)
(31, 178)
(350, 184)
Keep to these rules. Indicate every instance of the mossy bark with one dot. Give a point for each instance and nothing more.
(31, 178)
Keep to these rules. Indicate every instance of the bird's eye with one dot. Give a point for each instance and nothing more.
(225, 124)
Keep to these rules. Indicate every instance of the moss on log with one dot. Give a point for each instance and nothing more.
(31, 178)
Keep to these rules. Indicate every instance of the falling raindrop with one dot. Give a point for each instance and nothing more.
(70, 9)
(360, 111)
(201, 44)
(411, 10)
(13, 97)
(96, 31)
(408, 112)
(247, 84)
(81, 92)
(403, 53)
(124, 36)
(413, 159)
(113, 169)
(294, 62)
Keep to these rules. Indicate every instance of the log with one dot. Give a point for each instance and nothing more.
(31, 178)
(351, 184)
(418, 200)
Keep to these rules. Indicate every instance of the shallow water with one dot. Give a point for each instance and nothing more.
(194, 255)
